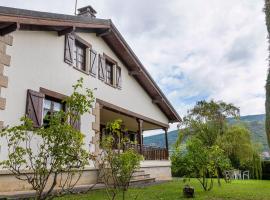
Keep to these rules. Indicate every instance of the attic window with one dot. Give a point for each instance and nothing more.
(109, 72)
(80, 56)
(77, 52)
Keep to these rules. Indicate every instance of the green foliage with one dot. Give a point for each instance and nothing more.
(117, 165)
(214, 145)
(202, 162)
(60, 155)
(267, 87)
(243, 153)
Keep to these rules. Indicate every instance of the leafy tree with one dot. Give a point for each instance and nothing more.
(208, 123)
(118, 162)
(267, 87)
(204, 162)
(243, 153)
(60, 156)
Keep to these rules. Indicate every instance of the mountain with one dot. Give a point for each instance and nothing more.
(255, 123)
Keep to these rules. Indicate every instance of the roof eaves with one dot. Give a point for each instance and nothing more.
(52, 16)
(177, 117)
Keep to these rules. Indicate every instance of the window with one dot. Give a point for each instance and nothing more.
(80, 56)
(77, 52)
(40, 105)
(50, 106)
(109, 72)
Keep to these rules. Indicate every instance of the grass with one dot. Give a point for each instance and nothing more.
(236, 190)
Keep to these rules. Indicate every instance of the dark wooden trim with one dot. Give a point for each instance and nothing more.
(128, 113)
(134, 73)
(66, 31)
(53, 94)
(50, 22)
(9, 29)
(81, 40)
(157, 100)
(109, 59)
(140, 132)
(104, 33)
(166, 138)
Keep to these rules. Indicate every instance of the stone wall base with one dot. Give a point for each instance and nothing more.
(160, 170)
(8, 183)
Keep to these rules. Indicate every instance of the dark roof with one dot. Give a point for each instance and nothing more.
(35, 20)
(47, 15)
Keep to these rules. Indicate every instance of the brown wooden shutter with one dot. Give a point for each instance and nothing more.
(101, 68)
(34, 107)
(69, 48)
(93, 62)
(118, 77)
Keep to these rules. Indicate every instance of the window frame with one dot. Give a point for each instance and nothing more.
(113, 63)
(83, 44)
(53, 97)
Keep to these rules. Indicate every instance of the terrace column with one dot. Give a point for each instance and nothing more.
(140, 132)
(166, 140)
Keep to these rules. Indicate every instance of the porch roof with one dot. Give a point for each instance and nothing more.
(12, 19)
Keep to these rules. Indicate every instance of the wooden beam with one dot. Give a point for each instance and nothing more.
(104, 33)
(66, 31)
(134, 73)
(128, 113)
(52, 94)
(166, 141)
(157, 100)
(51, 22)
(9, 29)
(140, 132)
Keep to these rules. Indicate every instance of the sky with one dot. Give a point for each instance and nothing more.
(194, 49)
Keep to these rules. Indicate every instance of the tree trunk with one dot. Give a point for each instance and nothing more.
(267, 102)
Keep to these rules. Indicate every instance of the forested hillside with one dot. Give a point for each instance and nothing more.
(255, 123)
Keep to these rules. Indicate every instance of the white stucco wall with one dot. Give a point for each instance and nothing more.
(37, 60)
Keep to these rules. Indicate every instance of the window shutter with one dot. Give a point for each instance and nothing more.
(34, 107)
(93, 62)
(118, 77)
(69, 48)
(101, 68)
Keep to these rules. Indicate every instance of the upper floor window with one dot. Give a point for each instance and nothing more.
(80, 56)
(77, 52)
(109, 72)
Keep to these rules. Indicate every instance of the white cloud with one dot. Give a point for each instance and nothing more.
(195, 48)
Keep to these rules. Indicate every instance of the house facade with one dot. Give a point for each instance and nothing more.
(43, 54)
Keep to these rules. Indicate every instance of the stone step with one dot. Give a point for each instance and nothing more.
(141, 176)
(142, 181)
(138, 173)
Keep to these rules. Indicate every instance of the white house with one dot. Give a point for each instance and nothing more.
(41, 57)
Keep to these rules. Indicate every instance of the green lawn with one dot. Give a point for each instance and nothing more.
(236, 190)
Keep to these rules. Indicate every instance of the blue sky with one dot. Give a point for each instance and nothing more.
(194, 49)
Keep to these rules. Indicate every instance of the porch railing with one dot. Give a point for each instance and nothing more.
(150, 152)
